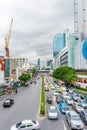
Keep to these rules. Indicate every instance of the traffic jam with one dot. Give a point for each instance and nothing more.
(67, 102)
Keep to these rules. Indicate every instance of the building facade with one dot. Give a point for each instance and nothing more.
(38, 63)
(59, 43)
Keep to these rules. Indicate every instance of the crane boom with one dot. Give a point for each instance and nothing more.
(7, 38)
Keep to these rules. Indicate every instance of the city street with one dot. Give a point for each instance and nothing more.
(26, 106)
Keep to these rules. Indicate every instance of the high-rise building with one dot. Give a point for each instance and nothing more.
(38, 63)
(59, 43)
(49, 62)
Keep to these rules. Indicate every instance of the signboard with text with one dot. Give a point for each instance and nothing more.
(2, 68)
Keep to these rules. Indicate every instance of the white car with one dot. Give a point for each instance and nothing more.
(78, 107)
(69, 101)
(74, 121)
(55, 93)
(83, 103)
(53, 112)
(26, 125)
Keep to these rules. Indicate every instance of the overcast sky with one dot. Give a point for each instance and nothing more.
(35, 23)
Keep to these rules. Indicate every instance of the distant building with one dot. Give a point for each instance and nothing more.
(38, 63)
(17, 66)
(49, 62)
(59, 43)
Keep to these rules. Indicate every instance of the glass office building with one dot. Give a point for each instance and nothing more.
(59, 43)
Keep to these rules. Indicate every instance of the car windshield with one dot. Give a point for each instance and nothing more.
(53, 111)
(83, 102)
(69, 99)
(33, 121)
(79, 106)
(65, 107)
(75, 117)
(18, 124)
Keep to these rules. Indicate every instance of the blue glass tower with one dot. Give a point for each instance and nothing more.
(38, 63)
(59, 43)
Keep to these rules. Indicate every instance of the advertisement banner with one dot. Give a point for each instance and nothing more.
(2, 68)
(7, 68)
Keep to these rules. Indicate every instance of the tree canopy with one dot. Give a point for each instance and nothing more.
(25, 78)
(67, 74)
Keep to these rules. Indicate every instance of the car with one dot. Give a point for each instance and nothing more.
(77, 107)
(85, 97)
(64, 107)
(26, 125)
(55, 93)
(69, 101)
(59, 99)
(74, 120)
(65, 96)
(83, 103)
(49, 99)
(53, 88)
(46, 88)
(8, 102)
(58, 89)
(53, 112)
(83, 115)
(76, 97)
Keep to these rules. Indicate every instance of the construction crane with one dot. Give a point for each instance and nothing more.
(7, 39)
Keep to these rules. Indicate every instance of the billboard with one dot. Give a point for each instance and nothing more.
(7, 68)
(2, 68)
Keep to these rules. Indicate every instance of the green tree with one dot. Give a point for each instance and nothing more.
(34, 71)
(24, 78)
(67, 74)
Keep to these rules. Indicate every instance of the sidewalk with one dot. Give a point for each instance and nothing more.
(5, 95)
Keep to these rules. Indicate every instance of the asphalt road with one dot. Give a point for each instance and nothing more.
(26, 106)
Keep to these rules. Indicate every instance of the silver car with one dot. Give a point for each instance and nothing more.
(53, 112)
(74, 120)
(26, 125)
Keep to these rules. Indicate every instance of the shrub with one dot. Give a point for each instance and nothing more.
(42, 105)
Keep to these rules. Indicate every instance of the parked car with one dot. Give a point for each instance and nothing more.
(49, 99)
(26, 125)
(53, 112)
(77, 107)
(64, 107)
(83, 115)
(8, 102)
(74, 120)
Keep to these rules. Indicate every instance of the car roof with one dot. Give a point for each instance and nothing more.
(26, 121)
(85, 111)
(64, 103)
(72, 113)
(52, 107)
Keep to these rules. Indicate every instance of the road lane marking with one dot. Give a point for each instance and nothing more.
(65, 128)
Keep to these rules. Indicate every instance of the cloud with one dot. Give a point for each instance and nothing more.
(35, 24)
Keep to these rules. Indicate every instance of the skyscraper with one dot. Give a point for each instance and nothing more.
(59, 43)
(38, 63)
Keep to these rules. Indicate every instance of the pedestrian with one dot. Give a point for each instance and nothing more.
(16, 91)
